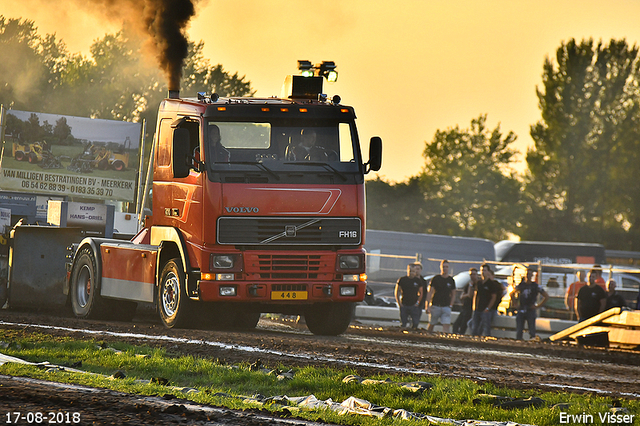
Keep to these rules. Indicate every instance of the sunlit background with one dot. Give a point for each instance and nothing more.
(409, 68)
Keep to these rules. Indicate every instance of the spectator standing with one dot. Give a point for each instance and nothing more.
(572, 292)
(442, 294)
(460, 326)
(425, 287)
(614, 299)
(487, 293)
(591, 299)
(599, 280)
(408, 292)
(526, 296)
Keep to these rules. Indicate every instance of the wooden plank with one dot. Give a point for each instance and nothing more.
(566, 334)
(589, 330)
(625, 319)
(624, 337)
(617, 336)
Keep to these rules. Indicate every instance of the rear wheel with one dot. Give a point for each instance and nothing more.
(329, 319)
(3, 292)
(19, 155)
(173, 303)
(85, 286)
(33, 157)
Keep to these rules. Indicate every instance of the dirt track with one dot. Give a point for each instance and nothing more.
(506, 362)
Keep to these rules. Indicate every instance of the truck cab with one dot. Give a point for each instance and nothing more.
(258, 206)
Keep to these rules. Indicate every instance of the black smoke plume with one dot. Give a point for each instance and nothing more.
(163, 23)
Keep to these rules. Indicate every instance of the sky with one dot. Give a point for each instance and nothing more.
(409, 68)
(92, 129)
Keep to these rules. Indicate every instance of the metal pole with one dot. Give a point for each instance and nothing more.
(3, 126)
(141, 170)
(148, 183)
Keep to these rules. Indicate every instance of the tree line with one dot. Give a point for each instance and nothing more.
(579, 184)
(30, 130)
(117, 81)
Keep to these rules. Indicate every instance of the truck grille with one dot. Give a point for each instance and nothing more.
(289, 231)
(288, 267)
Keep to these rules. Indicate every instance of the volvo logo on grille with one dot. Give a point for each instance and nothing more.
(290, 231)
(242, 209)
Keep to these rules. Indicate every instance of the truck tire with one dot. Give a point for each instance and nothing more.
(173, 302)
(3, 292)
(85, 286)
(329, 319)
(246, 319)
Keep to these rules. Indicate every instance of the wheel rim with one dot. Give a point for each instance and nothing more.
(83, 289)
(170, 291)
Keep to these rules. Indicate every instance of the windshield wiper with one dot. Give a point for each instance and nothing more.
(320, 163)
(258, 164)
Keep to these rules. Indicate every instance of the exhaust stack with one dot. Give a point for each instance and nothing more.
(174, 94)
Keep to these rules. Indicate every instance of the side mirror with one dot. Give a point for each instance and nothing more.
(180, 153)
(375, 154)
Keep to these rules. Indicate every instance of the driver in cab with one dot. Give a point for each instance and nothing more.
(307, 150)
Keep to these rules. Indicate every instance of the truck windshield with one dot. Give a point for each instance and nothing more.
(281, 147)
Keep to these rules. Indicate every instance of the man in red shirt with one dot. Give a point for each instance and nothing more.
(572, 292)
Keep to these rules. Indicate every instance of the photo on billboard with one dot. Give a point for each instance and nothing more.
(65, 155)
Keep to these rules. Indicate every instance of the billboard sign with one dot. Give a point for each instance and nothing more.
(65, 155)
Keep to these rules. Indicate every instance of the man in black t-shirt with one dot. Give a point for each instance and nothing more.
(486, 299)
(408, 292)
(460, 326)
(614, 299)
(591, 298)
(525, 296)
(440, 298)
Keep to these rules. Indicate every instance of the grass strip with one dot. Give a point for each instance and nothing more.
(155, 371)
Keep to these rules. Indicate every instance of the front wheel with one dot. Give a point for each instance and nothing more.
(246, 319)
(173, 303)
(329, 319)
(85, 286)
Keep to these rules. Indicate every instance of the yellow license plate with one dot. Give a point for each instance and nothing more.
(288, 295)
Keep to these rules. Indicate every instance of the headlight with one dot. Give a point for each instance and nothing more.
(347, 291)
(227, 290)
(351, 277)
(225, 277)
(350, 261)
(222, 261)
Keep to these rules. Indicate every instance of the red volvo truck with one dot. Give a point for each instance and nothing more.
(258, 206)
